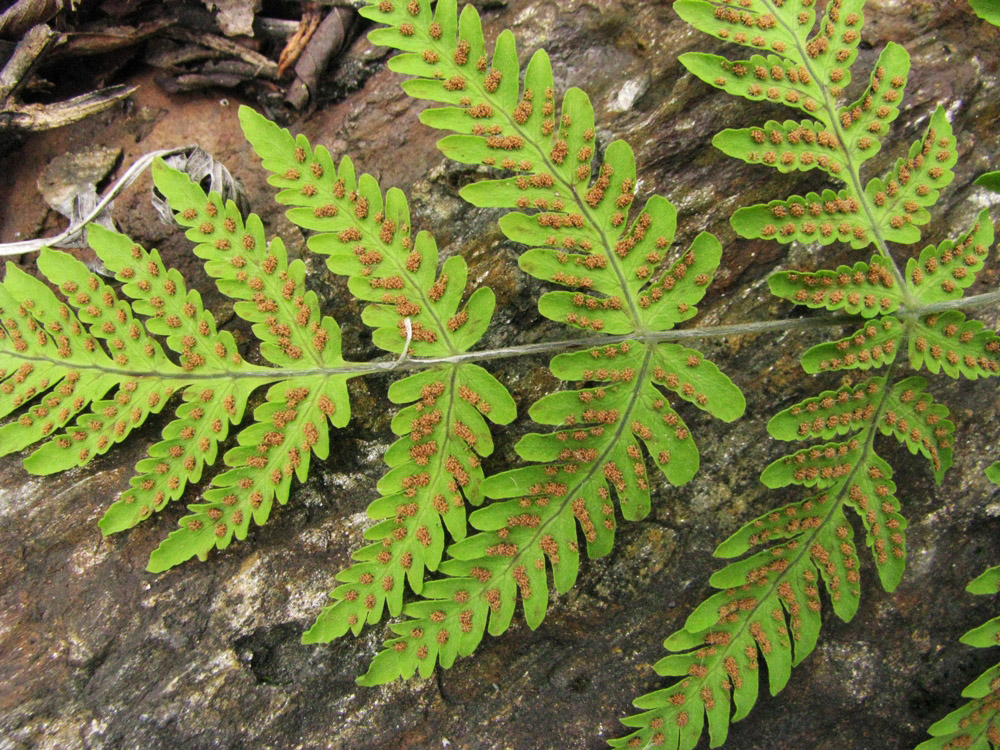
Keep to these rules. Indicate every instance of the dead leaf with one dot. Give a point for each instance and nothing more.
(234, 16)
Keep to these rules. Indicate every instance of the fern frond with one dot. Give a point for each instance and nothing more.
(809, 74)
(191, 440)
(618, 277)
(292, 422)
(44, 350)
(65, 357)
(914, 418)
(435, 465)
(110, 320)
(769, 605)
(597, 455)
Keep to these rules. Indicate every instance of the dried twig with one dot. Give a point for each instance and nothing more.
(328, 39)
(33, 117)
(26, 56)
(79, 43)
(264, 67)
(24, 14)
(300, 39)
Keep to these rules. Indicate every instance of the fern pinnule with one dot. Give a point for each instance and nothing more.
(292, 422)
(620, 277)
(865, 289)
(435, 464)
(769, 607)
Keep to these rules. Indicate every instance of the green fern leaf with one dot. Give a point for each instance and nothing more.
(789, 146)
(108, 319)
(599, 453)
(988, 10)
(79, 357)
(618, 278)
(44, 350)
(955, 345)
(867, 289)
(902, 196)
(292, 423)
(830, 217)
(943, 272)
(990, 181)
(434, 469)
(435, 465)
(829, 414)
(916, 420)
(190, 441)
(875, 345)
(838, 141)
(867, 120)
(719, 647)
(769, 604)
(287, 428)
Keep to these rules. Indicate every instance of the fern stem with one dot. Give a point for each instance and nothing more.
(418, 363)
(526, 350)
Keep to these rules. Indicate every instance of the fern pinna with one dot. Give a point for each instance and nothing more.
(435, 464)
(768, 606)
(619, 277)
(52, 352)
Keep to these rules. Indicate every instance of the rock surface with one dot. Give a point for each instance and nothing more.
(97, 653)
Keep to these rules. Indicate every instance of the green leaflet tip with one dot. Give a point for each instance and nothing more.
(989, 180)
(114, 520)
